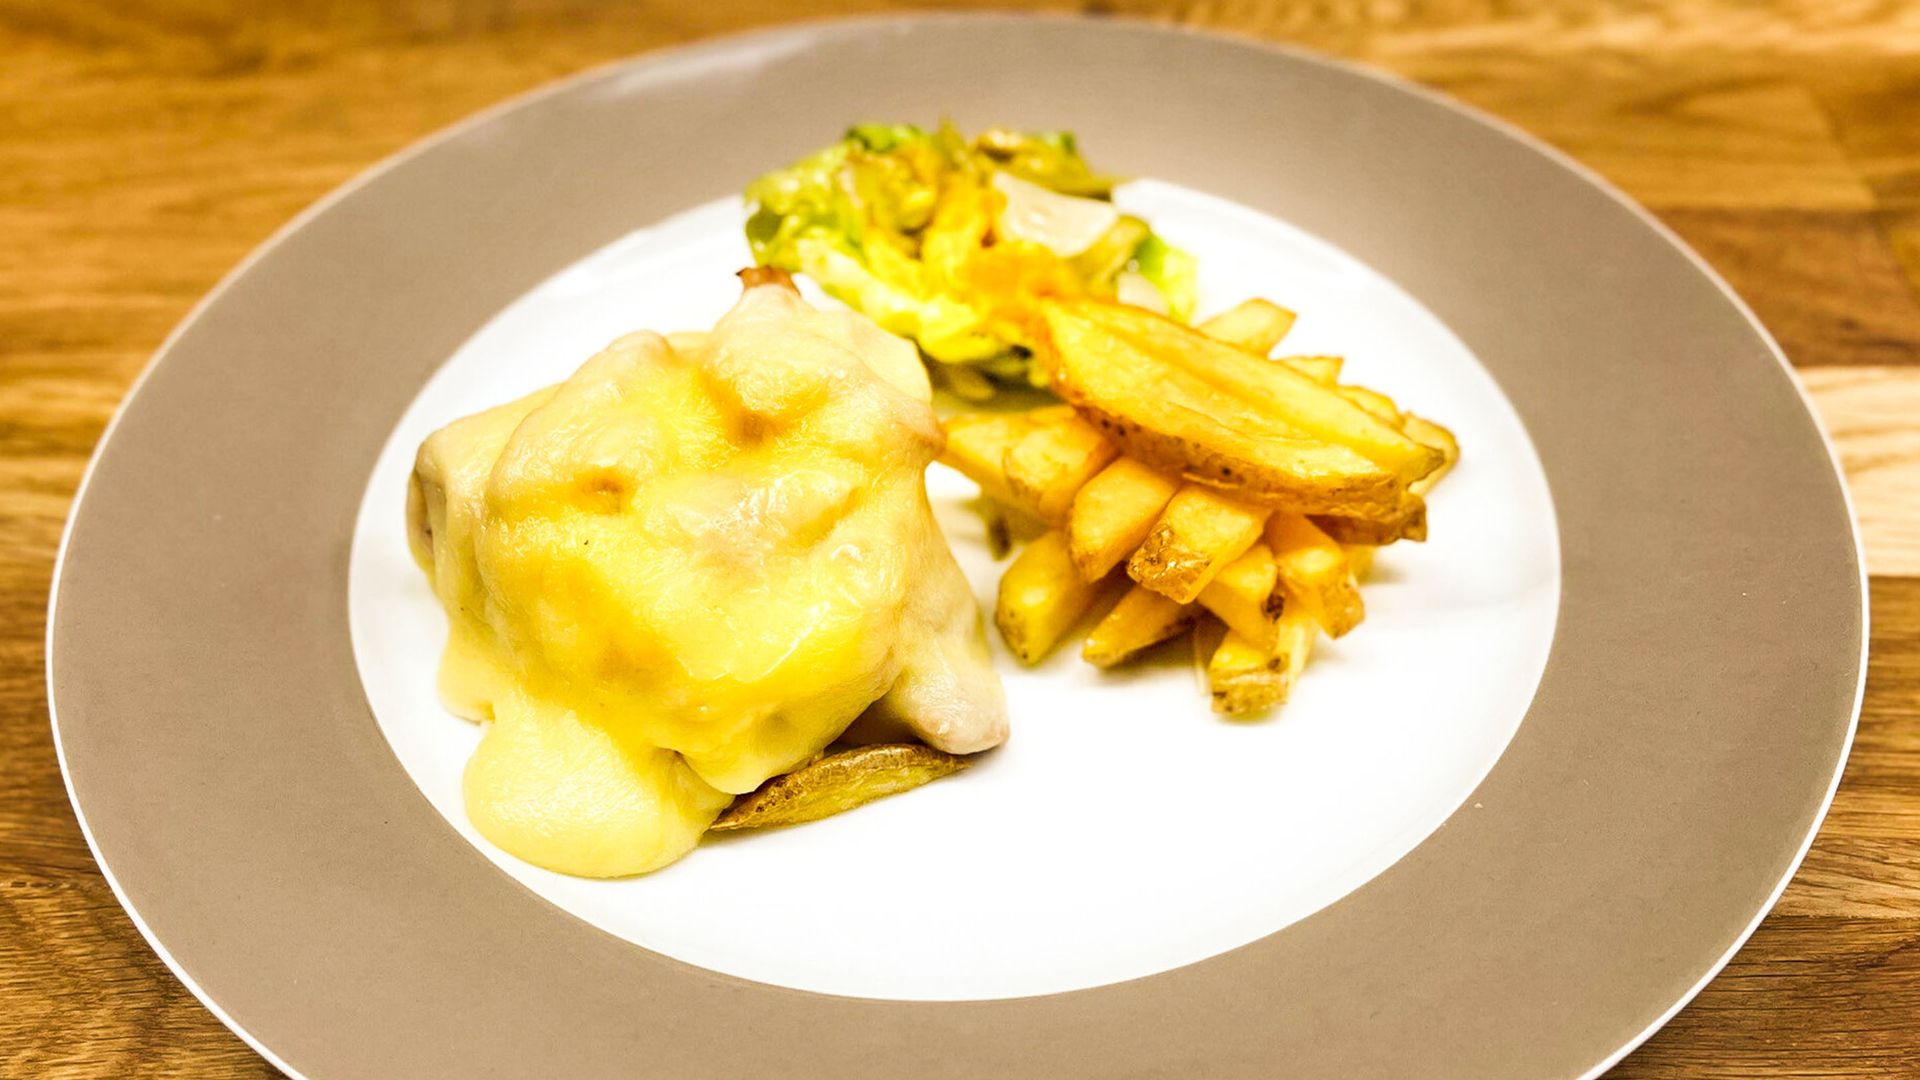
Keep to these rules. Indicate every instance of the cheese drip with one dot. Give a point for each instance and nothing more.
(687, 569)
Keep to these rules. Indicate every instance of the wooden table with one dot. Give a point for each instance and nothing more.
(146, 146)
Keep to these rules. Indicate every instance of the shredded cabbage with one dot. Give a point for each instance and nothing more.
(915, 229)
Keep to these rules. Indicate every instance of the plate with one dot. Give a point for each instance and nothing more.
(1506, 829)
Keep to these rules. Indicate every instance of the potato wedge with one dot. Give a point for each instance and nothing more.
(1113, 513)
(1314, 572)
(1243, 596)
(1254, 325)
(1408, 521)
(1196, 536)
(1142, 618)
(1165, 414)
(1041, 597)
(836, 783)
(1273, 390)
(1321, 369)
(1054, 461)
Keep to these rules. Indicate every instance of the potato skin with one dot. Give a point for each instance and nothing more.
(1170, 376)
(1357, 493)
(836, 783)
(1409, 522)
(1244, 678)
(1198, 535)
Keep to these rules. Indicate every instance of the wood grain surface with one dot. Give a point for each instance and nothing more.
(147, 145)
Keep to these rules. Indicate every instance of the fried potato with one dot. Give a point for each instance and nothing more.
(1113, 513)
(1408, 521)
(1440, 439)
(1243, 596)
(1360, 559)
(1297, 631)
(977, 446)
(1160, 408)
(1041, 597)
(1141, 618)
(1254, 325)
(1273, 390)
(1052, 462)
(1314, 573)
(1375, 402)
(838, 782)
(1245, 678)
(1196, 536)
(1321, 369)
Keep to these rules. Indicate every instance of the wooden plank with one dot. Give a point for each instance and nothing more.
(1725, 134)
(1808, 997)
(1858, 31)
(86, 997)
(1871, 109)
(1826, 283)
(1866, 860)
(1872, 414)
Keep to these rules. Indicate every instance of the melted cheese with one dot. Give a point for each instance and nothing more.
(684, 571)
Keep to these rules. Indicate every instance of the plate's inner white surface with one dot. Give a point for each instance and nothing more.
(1124, 829)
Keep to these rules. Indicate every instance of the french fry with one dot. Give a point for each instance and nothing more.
(1243, 597)
(1197, 535)
(1375, 402)
(1297, 631)
(1053, 462)
(1360, 559)
(1314, 573)
(1163, 412)
(1246, 496)
(1246, 678)
(977, 445)
(1254, 325)
(1273, 390)
(1440, 439)
(1113, 513)
(1141, 618)
(1041, 598)
(1321, 369)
